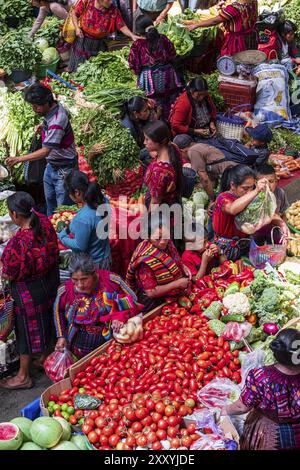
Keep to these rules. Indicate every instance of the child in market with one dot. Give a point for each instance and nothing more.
(268, 172)
(238, 189)
(200, 256)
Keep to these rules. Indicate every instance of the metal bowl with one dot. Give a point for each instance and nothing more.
(251, 57)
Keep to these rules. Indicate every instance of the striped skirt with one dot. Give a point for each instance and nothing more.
(83, 49)
(33, 303)
(261, 433)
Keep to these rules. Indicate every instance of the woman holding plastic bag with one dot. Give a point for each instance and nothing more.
(271, 397)
(238, 191)
(89, 305)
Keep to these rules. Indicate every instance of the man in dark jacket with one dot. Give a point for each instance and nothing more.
(210, 160)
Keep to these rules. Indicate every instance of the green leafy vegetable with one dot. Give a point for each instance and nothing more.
(17, 52)
(111, 147)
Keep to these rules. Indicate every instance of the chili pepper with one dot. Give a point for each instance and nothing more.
(185, 302)
(196, 308)
(246, 274)
(223, 272)
(222, 283)
(208, 280)
(201, 283)
(246, 282)
(208, 290)
(220, 292)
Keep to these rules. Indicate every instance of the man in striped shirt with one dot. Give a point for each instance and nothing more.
(58, 145)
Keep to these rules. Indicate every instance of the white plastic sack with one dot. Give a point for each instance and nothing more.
(251, 360)
(272, 93)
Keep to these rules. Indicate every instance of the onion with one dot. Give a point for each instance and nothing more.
(270, 328)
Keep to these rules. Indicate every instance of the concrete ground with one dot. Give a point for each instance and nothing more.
(12, 401)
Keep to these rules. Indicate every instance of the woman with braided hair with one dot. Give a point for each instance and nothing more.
(271, 395)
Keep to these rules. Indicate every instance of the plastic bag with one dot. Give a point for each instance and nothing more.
(209, 442)
(252, 360)
(57, 363)
(218, 393)
(258, 213)
(205, 419)
(86, 402)
(234, 331)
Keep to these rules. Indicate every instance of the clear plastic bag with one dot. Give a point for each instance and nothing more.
(57, 364)
(218, 393)
(258, 213)
(234, 331)
(208, 442)
(252, 360)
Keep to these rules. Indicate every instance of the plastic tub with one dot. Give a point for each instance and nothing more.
(32, 410)
(41, 69)
(19, 76)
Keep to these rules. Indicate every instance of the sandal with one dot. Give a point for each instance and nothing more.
(24, 385)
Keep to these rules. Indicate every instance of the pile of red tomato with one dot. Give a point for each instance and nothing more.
(178, 355)
(149, 421)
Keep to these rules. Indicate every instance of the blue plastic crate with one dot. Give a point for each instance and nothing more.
(32, 410)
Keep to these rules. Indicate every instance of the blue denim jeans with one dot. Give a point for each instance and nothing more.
(55, 193)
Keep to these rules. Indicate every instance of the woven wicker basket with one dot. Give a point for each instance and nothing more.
(230, 126)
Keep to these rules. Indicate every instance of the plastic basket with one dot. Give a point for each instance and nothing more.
(261, 255)
(32, 410)
(41, 69)
(230, 126)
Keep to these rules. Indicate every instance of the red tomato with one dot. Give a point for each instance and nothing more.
(156, 446)
(191, 428)
(162, 424)
(173, 420)
(103, 440)
(130, 441)
(141, 413)
(169, 410)
(93, 437)
(141, 441)
(108, 430)
(161, 434)
(172, 431)
(186, 441)
(86, 429)
(160, 407)
(175, 443)
(156, 417)
(113, 440)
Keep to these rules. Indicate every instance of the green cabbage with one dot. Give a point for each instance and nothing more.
(42, 44)
(50, 55)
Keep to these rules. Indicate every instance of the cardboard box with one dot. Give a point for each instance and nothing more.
(53, 389)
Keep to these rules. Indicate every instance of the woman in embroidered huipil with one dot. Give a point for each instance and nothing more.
(155, 270)
(271, 397)
(89, 305)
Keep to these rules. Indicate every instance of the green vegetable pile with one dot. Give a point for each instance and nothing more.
(17, 52)
(292, 13)
(17, 122)
(199, 35)
(21, 9)
(107, 80)
(284, 139)
(180, 37)
(50, 30)
(111, 147)
(272, 300)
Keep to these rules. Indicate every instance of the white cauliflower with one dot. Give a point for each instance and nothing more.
(237, 304)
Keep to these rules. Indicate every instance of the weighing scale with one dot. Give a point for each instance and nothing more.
(242, 62)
